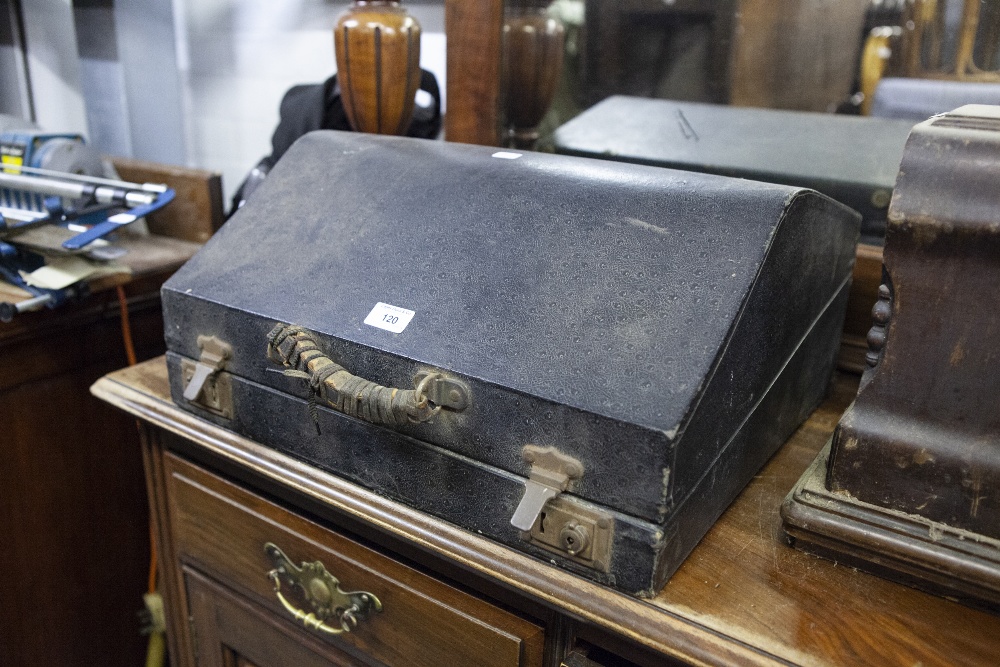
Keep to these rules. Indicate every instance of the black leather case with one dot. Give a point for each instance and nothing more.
(665, 330)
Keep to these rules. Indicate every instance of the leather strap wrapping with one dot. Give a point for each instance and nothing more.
(295, 348)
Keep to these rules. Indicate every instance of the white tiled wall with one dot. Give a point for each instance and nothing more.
(238, 57)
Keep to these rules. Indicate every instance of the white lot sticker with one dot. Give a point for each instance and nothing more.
(504, 155)
(390, 318)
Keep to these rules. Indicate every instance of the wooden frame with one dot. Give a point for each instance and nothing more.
(474, 33)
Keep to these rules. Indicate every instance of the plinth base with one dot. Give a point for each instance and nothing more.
(955, 563)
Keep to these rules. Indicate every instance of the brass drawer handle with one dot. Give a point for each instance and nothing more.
(323, 593)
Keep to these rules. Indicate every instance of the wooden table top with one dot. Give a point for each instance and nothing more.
(743, 597)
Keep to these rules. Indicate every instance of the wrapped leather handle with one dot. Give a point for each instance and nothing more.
(294, 347)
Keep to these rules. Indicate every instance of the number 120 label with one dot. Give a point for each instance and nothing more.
(388, 317)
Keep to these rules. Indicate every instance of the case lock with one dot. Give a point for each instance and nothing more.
(551, 473)
(214, 354)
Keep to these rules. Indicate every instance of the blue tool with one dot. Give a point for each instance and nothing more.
(12, 261)
(51, 179)
(120, 202)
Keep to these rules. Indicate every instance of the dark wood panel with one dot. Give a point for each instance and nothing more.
(222, 529)
(473, 31)
(795, 54)
(233, 632)
(72, 504)
(45, 344)
(616, 49)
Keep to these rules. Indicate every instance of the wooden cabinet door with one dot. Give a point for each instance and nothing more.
(230, 631)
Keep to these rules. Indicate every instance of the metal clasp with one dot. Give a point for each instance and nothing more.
(214, 354)
(442, 391)
(551, 473)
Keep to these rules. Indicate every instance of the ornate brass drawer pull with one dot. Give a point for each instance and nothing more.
(323, 593)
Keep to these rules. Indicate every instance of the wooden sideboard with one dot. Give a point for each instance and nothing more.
(72, 505)
(743, 597)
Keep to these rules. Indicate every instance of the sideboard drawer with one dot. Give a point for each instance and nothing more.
(221, 529)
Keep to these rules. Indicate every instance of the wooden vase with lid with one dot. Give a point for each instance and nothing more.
(377, 44)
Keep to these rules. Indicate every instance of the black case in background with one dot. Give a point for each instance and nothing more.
(667, 330)
(853, 159)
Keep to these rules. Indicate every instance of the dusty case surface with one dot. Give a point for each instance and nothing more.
(581, 359)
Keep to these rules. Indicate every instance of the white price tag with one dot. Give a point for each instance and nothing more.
(506, 155)
(390, 318)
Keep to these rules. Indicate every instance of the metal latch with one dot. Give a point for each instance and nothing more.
(551, 472)
(214, 354)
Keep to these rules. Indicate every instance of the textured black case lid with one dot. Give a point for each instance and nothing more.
(605, 286)
(795, 147)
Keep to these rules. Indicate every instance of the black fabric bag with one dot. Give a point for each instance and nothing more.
(318, 106)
